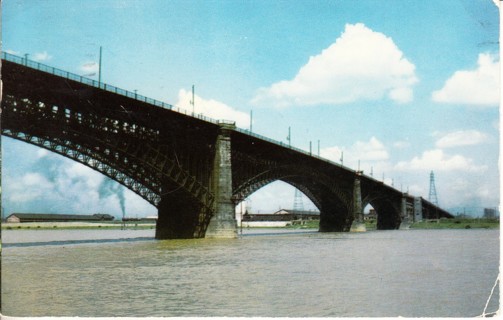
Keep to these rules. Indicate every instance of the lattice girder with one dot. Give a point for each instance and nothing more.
(120, 150)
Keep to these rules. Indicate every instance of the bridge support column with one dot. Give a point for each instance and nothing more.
(418, 209)
(177, 214)
(223, 223)
(358, 225)
(406, 221)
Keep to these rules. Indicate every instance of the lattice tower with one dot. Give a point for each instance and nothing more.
(297, 201)
(432, 197)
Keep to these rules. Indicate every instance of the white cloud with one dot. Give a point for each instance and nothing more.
(332, 153)
(473, 87)
(461, 138)
(373, 150)
(29, 187)
(212, 109)
(437, 160)
(369, 154)
(496, 124)
(401, 144)
(416, 190)
(361, 65)
(16, 53)
(42, 153)
(41, 56)
(67, 186)
(90, 68)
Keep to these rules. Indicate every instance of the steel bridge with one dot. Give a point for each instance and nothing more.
(192, 168)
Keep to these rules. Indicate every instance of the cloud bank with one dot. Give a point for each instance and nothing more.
(60, 185)
(41, 56)
(372, 153)
(212, 109)
(461, 138)
(361, 65)
(437, 160)
(479, 87)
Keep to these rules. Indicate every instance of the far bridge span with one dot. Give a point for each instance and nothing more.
(192, 168)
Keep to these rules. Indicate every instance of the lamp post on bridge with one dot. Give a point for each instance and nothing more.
(289, 138)
(99, 69)
(192, 102)
(251, 120)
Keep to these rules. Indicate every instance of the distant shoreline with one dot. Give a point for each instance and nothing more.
(76, 225)
(456, 223)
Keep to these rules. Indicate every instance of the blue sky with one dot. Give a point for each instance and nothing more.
(403, 87)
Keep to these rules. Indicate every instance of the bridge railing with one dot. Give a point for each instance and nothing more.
(101, 85)
(284, 145)
(133, 95)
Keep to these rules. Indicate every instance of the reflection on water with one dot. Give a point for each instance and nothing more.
(387, 273)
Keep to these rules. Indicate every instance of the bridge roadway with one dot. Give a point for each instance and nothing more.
(192, 168)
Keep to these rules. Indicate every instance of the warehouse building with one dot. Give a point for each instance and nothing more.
(279, 218)
(49, 217)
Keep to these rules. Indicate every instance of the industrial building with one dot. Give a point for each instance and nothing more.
(49, 217)
(279, 218)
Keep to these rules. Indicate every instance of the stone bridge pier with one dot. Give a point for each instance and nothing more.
(181, 215)
(223, 224)
(358, 225)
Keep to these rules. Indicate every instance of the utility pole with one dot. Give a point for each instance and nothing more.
(192, 102)
(289, 137)
(342, 157)
(298, 205)
(310, 148)
(251, 120)
(432, 197)
(99, 69)
(318, 148)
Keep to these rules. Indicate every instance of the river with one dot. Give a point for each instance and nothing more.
(99, 273)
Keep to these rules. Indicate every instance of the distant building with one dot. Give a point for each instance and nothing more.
(372, 215)
(49, 217)
(279, 218)
(144, 219)
(490, 213)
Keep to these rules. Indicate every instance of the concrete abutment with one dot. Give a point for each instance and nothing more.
(358, 225)
(223, 224)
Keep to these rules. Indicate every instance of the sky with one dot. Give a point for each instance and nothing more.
(398, 88)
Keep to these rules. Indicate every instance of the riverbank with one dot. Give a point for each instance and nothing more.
(77, 225)
(456, 223)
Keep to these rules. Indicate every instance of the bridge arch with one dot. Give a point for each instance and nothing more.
(331, 197)
(388, 211)
(119, 149)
